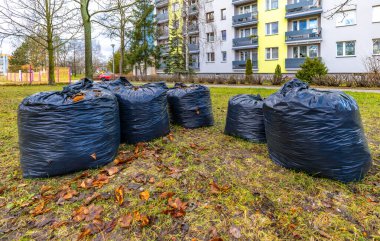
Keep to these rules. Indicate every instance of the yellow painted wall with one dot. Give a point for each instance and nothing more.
(268, 66)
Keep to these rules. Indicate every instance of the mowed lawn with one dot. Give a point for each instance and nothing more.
(192, 185)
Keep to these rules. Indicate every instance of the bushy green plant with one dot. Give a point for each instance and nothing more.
(312, 68)
(277, 77)
(248, 68)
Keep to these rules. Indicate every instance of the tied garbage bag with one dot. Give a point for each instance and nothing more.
(68, 131)
(245, 118)
(190, 106)
(143, 112)
(115, 84)
(319, 132)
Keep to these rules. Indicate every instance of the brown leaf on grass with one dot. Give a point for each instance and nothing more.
(166, 195)
(140, 178)
(2, 190)
(89, 213)
(87, 183)
(109, 226)
(91, 198)
(144, 195)
(177, 208)
(45, 189)
(140, 147)
(125, 221)
(152, 180)
(235, 232)
(39, 209)
(67, 193)
(93, 155)
(193, 145)
(216, 189)
(100, 181)
(119, 195)
(124, 158)
(111, 170)
(58, 224)
(216, 239)
(175, 172)
(81, 176)
(141, 218)
(171, 137)
(84, 233)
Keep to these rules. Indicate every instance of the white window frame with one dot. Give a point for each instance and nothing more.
(271, 28)
(376, 14)
(271, 53)
(269, 4)
(224, 54)
(221, 33)
(210, 57)
(308, 47)
(344, 49)
(373, 46)
(208, 36)
(223, 14)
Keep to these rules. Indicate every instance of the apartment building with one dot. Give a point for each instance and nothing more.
(224, 34)
(3, 64)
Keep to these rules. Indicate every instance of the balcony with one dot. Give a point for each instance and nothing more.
(161, 3)
(193, 48)
(240, 2)
(245, 43)
(294, 63)
(164, 49)
(164, 34)
(307, 35)
(240, 64)
(162, 67)
(162, 17)
(244, 19)
(303, 8)
(193, 29)
(193, 10)
(194, 65)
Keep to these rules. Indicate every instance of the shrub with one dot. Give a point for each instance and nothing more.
(248, 68)
(232, 80)
(312, 68)
(277, 77)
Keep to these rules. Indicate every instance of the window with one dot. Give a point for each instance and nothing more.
(271, 53)
(223, 15)
(305, 51)
(271, 28)
(210, 37)
(224, 56)
(346, 18)
(271, 4)
(248, 32)
(175, 6)
(248, 9)
(211, 57)
(344, 49)
(210, 17)
(376, 14)
(376, 46)
(224, 35)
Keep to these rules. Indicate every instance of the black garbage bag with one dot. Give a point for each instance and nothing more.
(68, 131)
(115, 84)
(245, 118)
(143, 112)
(319, 132)
(190, 106)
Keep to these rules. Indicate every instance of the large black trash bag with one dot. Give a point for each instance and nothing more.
(143, 112)
(190, 106)
(115, 84)
(245, 118)
(319, 132)
(68, 131)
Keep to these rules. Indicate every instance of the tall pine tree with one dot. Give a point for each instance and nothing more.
(142, 52)
(175, 61)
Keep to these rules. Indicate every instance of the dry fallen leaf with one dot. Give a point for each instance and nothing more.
(143, 219)
(151, 180)
(112, 170)
(166, 195)
(125, 221)
(177, 208)
(93, 156)
(171, 137)
(144, 195)
(119, 195)
(89, 213)
(91, 198)
(216, 189)
(235, 232)
(78, 98)
(39, 209)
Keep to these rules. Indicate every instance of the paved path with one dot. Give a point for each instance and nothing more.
(377, 91)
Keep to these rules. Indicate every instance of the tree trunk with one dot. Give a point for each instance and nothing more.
(187, 6)
(87, 39)
(122, 51)
(51, 63)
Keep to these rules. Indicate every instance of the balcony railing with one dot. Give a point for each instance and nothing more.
(193, 47)
(303, 8)
(244, 19)
(193, 9)
(165, 49)
(245, 42)
(240, 64)
(194, 65)
(161, 3)
(294, 63)
(193, 28)
(239, 2)
(162, 17)
(163, 34)
(304, 35)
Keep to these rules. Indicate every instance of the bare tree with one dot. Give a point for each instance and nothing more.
(88, 13)
(40, 20)
(116, 23)
(338, 8)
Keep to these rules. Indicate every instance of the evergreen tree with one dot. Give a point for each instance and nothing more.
(142, 51)
(175, 61)
(248, 68)
(312, 68)
(126, 68)
(277, 77)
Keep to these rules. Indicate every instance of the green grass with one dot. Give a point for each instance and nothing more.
(265, 202)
